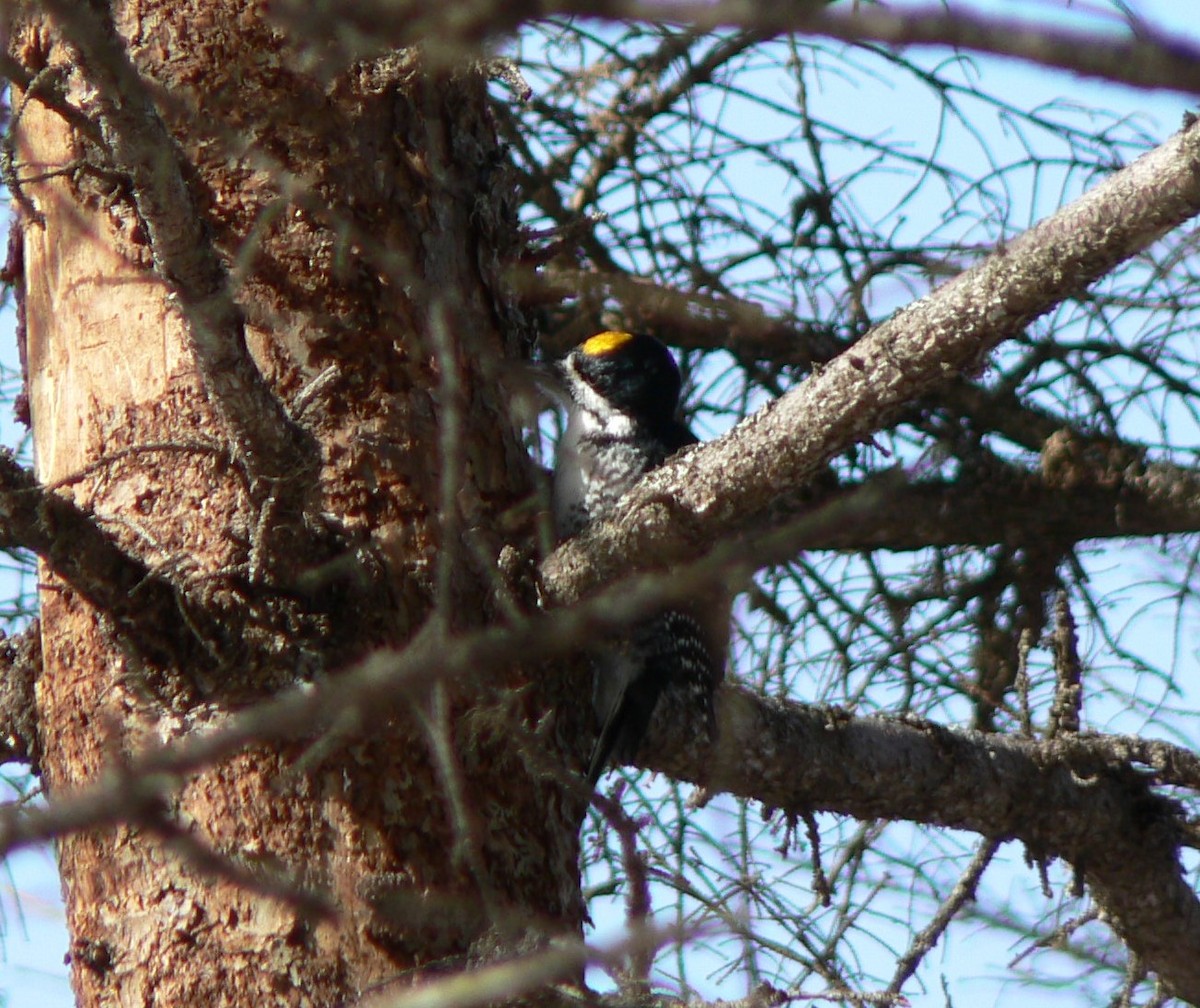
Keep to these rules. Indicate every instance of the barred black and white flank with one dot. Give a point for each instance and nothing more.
(623, 396)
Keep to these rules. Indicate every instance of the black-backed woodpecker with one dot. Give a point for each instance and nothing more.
(622, 396)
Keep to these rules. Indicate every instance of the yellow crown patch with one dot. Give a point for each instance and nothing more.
(605, 343)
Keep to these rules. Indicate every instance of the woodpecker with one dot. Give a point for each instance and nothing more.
(622, 397)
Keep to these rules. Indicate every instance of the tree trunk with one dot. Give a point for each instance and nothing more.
(367, 219)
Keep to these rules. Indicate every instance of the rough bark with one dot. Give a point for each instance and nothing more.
(363, 223)
(20, 666)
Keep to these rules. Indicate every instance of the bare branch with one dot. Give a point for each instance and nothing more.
(638, 903)
(1068, 670)
(1015, 506)
(964, 891)
(507, 981)
(46, 88)
(630, 121)
(489, 984)
(686, 319)
(142, 605)
(264, 881)
(1146, 61)
(1083, 804)
(728, 485)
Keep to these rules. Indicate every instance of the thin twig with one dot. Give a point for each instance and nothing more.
(209, 861)
(638, 904)
(924, 941)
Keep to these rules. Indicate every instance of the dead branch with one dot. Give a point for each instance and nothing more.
(1145, 60)
(728, 485)
(1083, 804)
(143, 606)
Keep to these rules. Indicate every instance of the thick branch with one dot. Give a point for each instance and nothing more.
(740, 480)
(687, 319)
(270, 445)
(1144, 61)
(701, 321)
(1015, 507)
(1073, 798)
(374, 690)
(142, 605)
